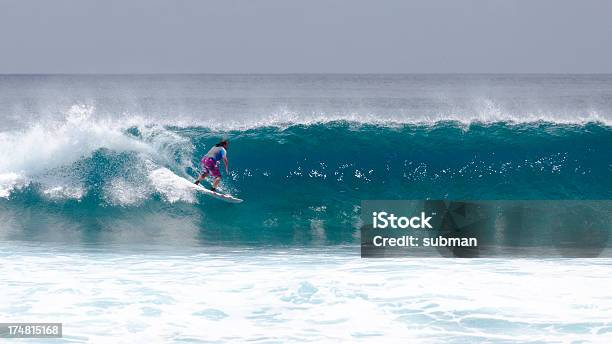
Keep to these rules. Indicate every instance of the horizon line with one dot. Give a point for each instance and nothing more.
(291, 73)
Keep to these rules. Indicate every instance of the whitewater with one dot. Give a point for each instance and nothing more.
(97, 231)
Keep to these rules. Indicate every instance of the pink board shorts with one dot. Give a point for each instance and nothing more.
(209, 166)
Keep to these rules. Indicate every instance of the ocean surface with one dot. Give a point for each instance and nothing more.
(326, 295)
(97, 231)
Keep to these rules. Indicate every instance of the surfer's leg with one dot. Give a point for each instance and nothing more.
(216, 183)
(213, 169)
(202, 176)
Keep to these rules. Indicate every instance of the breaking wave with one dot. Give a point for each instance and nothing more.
(300, 182)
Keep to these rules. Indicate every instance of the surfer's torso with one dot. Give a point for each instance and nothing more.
(216, 153)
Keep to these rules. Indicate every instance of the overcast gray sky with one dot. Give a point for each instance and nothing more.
(285, 36)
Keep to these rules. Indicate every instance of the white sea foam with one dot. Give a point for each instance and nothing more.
(297, 295)
(123, 192)
(48, 145)
(64, 192)
(42, 153)
(171, 186)
(10, 181)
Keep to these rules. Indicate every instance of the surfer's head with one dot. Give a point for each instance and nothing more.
(222, 143)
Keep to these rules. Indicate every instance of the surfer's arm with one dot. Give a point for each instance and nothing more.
(226, 163)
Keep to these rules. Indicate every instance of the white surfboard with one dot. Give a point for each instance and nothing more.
(177, 188)
(224, 197)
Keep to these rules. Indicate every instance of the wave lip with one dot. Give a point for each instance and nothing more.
(286, 120)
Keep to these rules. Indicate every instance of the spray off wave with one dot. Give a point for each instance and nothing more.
(51, 154)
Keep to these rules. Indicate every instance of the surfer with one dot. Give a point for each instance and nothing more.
(210, 163)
